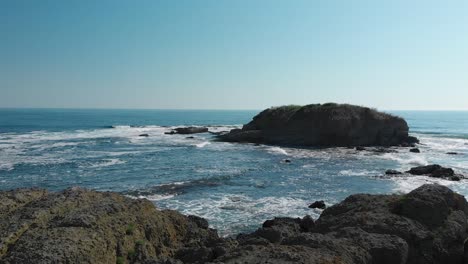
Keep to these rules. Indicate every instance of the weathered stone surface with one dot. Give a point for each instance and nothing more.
(323, 125)
(428, 225)
(82, 226)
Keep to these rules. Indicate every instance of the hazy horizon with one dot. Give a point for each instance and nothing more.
(233, 55)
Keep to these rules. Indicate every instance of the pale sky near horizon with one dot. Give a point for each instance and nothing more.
(246, 54)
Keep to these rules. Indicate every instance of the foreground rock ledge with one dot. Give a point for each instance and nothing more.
(428, 225)
(327, 125)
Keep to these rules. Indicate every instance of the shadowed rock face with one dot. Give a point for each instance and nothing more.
(323, 125)
(428, 225)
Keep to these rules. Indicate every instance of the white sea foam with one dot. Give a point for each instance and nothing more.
(407, 184)
(358, 172)
(203, 144)
(155, 197)
(277, 150)
(7, 166)
(106, 163)
(225, 211)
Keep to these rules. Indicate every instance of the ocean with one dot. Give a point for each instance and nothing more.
(234, 186)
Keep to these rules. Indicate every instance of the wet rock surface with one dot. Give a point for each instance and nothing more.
(427, 225)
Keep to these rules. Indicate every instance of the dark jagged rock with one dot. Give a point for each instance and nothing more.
(143, 135)
(432, 220)
(318, 204)
(187, 130)
(425, 170)
(415, 150)
(436, 171)
(393, 172)
(287, 161)
(323, 125)
(190, 137)
(452, 153)
(427, 225)
(191, 130)
(360, 148)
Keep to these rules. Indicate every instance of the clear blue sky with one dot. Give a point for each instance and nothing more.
(242, 54)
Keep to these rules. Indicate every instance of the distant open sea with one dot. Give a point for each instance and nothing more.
(235, 186)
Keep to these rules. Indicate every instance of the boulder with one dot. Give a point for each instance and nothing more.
(431, 219)
(318, 204)
(325, 125)
(393, 172)
(436, 171)
(143, 135)
(415, 150)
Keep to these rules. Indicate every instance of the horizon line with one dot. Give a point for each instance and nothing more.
(198, 109)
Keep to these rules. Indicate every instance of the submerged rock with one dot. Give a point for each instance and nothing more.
(143, 135)
(427, 225)
(323, 125)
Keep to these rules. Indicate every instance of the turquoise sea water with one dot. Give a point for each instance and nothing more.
(234, 186)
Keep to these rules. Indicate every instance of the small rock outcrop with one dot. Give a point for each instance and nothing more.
(318, 204)
(436, 171)
(188, 130)
(427, 225)
(393, 172)
(415, 150)
(325, 125)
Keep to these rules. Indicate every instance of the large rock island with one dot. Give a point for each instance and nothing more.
(428, 225)
(323, 125)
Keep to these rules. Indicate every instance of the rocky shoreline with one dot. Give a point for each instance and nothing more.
(427, 225)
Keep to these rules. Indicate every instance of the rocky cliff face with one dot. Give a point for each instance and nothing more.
(323, 125)
(428, 225)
